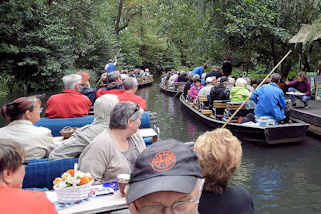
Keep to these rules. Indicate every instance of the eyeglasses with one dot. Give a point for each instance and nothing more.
(25, 163)
(136, 110)
(181, 207)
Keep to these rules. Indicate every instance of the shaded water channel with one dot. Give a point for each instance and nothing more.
(281, 179)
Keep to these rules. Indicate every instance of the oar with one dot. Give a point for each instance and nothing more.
(243, 103)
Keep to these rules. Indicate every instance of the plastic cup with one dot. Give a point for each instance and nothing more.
(123, 180)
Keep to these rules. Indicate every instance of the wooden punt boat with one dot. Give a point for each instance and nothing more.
(277, 134)
(172, 91)
(146, 81)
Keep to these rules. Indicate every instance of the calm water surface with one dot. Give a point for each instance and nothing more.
(281, 179)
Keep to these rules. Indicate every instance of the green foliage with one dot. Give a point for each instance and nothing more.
(34, 45)
(39, 42)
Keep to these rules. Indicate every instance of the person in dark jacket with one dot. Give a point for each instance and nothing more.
(220, 92)
(85, 87)
(114, 85)
(214, 73)
(227, 66)
(182, 77)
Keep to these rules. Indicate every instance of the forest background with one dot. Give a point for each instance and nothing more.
(41, 40)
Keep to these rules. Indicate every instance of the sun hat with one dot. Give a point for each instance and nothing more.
(167, 165)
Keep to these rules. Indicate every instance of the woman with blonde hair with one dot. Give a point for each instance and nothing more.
(220, 155)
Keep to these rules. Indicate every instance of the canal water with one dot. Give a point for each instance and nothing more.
(281, 179)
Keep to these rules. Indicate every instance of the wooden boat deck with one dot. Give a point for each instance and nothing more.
(312, 115)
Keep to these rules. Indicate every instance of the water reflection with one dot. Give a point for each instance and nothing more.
(281, 179)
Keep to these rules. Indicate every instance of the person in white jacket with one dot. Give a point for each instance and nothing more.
(21, 114)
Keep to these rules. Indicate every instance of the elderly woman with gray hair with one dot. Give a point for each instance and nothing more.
(239, 93)
(114, 151)
(73, 146)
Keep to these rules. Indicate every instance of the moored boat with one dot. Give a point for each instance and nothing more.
(276, 134)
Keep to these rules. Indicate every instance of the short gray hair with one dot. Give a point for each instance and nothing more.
(122, 113)
(113, 76)
(71, 80)
(275, 78)
(240, 82)
(130, 83)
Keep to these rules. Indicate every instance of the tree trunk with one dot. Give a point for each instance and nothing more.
(117, 24)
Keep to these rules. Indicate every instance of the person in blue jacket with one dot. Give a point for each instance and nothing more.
(198, 70)
(269, 100)
(110, 67)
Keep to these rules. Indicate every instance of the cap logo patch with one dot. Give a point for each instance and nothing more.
(163, 161)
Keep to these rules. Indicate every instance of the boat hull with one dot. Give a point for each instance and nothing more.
(169, 91)
(288, 133)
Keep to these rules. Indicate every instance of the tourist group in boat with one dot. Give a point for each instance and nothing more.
(165, 177)
(206, 90)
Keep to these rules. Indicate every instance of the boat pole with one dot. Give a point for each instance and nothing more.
(243, 103)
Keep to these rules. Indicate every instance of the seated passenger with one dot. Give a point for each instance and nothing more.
(21, 114)
(269, 100)
(188, 85)
(220, 92)
(73, 146)
(214, 73)
(182, 77)
(130, 85)
(220, 155)
(12, 171)
(239, 93)
(206, 90)
(70, 103)
(193, 92)
(172, 78)
(302, 84)
(85, 87)
(114, 151)
(113, 86)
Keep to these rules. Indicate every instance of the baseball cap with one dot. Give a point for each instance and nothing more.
(167, 165)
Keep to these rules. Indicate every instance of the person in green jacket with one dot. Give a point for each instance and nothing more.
(239, 93)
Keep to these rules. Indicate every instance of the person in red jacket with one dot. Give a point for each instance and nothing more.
(113, 86)
(130, 85)
(12, 171)
(70, 103)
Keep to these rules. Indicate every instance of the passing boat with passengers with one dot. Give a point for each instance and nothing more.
(175, 90)
(145, 81)
(265, 134)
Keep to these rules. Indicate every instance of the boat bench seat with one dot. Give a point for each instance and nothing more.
(231, 107)
(219, 107)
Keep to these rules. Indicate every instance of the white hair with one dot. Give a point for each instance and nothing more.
(70, 81)
(240, 82)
